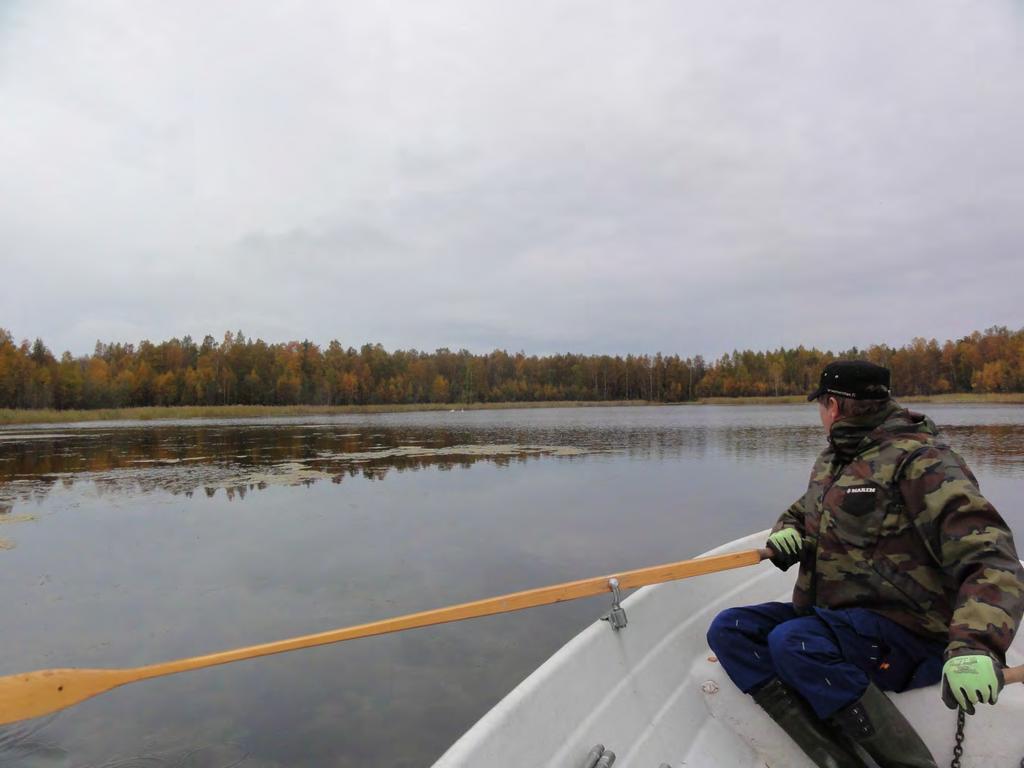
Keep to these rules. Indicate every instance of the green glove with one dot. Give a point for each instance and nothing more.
(970, 679)
(786, 542)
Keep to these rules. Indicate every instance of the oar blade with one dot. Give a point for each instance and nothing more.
(32, 694)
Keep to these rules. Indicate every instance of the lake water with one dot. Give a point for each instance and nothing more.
(124, 544)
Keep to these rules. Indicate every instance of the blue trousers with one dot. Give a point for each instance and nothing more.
(828, 656)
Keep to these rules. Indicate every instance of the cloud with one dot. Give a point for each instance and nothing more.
(597, 178)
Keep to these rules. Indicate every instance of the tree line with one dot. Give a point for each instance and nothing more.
(244, 371)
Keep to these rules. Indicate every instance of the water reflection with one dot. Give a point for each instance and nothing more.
(240, 458)
(27, 744)
(129, 546)
(238, 461)
(998, 448)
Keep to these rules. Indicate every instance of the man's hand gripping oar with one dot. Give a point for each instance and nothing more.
(975, 679)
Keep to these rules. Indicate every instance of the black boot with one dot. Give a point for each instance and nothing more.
(877, 725)
(815, 737)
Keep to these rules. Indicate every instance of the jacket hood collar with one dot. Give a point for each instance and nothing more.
(850, 436)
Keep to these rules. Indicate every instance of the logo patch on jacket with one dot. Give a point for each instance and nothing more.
(862, 489)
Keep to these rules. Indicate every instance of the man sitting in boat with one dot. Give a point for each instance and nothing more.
(908, 576)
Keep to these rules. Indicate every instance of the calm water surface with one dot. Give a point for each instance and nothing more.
(124, 544)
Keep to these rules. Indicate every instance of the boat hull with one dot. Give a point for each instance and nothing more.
(653, 694)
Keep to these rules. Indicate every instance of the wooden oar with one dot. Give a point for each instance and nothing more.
(32, 694)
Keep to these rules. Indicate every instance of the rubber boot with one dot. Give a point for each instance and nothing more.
(878, 726)
(826, 747)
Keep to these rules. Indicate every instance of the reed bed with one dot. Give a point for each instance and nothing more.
(155, 413)
(15, 416)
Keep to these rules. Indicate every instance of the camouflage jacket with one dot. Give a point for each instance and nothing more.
(893, 521)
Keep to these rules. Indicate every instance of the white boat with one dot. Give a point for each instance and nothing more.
(653, 694)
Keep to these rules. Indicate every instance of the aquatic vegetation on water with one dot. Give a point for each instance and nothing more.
(16, 518)
(237, 465)
(7, 517)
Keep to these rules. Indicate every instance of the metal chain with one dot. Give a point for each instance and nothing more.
(958, 750)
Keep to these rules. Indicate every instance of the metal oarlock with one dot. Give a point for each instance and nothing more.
(617, 615)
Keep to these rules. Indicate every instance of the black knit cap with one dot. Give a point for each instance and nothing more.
(856, 379)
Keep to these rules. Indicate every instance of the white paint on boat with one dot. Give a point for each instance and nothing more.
(651, 694)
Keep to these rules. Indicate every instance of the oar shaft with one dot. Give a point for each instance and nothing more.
(39, 693)
(1013, 675)
(515, 601)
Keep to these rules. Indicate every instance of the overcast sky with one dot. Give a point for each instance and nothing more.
(586, 176)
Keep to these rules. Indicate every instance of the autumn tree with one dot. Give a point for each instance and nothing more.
(251, 371)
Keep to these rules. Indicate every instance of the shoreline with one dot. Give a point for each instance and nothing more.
(159, 413)
(10, 416)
